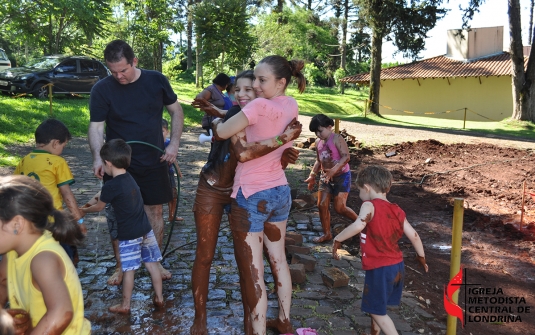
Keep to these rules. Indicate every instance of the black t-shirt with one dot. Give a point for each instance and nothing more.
(124, 195)
(134, 112)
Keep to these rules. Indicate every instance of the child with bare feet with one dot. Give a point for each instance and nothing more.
(134, 232)
(332, 158)
(381, 224)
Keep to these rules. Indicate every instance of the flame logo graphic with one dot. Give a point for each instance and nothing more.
(449, 305)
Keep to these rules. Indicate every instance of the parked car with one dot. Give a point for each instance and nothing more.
(5, 63)
(67, 74)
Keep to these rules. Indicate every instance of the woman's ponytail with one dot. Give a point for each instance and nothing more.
(64, 228)
(283, 68)
(297, 65)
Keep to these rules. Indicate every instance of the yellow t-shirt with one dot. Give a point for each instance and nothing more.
(50, 170)
(22, 294)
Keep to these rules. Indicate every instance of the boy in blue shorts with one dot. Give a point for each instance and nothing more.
(134, 232)
(381, 224)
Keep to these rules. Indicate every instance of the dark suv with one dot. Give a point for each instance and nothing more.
(67, 74)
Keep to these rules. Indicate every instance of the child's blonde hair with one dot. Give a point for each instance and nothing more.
(376, 176)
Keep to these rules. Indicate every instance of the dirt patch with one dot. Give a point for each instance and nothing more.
(496, 254)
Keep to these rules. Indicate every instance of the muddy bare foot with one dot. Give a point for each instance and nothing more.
(159, 304)
(322, 238)
(166, 275)
(116, 278)
(283, 327)
(119, 309)
(199, 327)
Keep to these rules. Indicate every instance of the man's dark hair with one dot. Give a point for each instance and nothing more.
(320, 120)
(117, 152)
(52, 129)
(118, 49)
(165, 124)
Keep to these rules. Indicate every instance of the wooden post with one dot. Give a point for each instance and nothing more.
(455, 263)
(464, 121)
(337, 125)
(522, 209)
(50, 99)
(365, 107)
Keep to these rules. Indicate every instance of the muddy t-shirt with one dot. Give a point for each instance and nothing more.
(379, 240)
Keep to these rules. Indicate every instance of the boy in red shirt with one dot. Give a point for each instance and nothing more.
(381, 224)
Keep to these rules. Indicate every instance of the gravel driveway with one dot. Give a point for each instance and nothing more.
(372, 135)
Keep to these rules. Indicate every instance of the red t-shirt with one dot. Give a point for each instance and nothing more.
(379, 240)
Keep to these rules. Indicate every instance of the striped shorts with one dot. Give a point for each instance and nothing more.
(144, 248)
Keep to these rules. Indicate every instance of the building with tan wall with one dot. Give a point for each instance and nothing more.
(474, 74)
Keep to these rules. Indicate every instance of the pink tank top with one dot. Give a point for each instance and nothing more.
(328, 152)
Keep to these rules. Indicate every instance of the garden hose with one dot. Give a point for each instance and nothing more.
(177, 197)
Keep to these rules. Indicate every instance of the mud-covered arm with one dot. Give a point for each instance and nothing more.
(365, 215)
(246, 151)
(413, 236)
(311, 180)
(94, 208)
(341, 145)
(208, 107)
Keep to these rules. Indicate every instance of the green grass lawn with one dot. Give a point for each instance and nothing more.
(20, 116)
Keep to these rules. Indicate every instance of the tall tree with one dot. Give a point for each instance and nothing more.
(223, 33)
(523, 78)
(152, 22)
(56, 26)
(405, 23)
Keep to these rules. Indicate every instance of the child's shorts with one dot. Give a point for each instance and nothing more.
(382, 287)
(143, 248)
(338, 184)
(271, 205)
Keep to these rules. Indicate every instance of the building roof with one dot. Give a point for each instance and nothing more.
(443, 67)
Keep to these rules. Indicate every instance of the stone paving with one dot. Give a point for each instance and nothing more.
(330, 311)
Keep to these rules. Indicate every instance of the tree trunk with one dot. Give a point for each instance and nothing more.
(278, 8)
(375, 71)
(189, 33)
(198, 76)
(530, 28)
(522, 80)
(344, 39)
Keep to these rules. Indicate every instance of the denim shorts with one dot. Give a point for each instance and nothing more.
(271, 205)
(143, 248)
(338, 184)
(382, 287)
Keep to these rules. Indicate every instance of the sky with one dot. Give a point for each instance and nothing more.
(492, 13)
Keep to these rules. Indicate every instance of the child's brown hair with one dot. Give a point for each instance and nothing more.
(376, 176)
(25, 196)
(117, 152)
